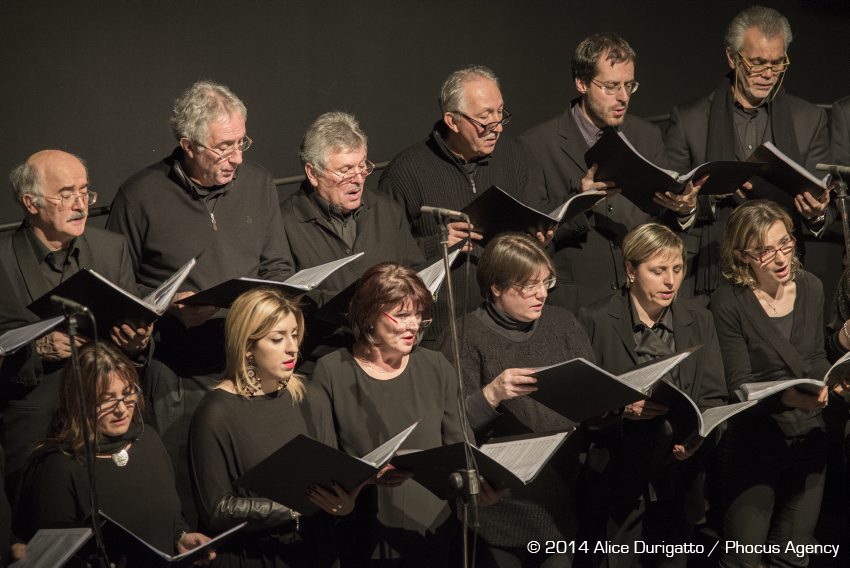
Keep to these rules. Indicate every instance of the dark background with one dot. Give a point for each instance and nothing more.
(98, 77)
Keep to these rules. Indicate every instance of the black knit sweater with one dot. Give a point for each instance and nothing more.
(545, 509)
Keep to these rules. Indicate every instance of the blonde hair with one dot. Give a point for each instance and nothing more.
(645, 241)
(748, 224)
(253, 316)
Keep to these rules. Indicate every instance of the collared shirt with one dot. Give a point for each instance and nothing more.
(344, 224)
(652, 342)
(752, 128)
(58, 265)
(589, 131)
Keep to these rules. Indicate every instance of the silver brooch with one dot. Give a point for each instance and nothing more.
(121, 458)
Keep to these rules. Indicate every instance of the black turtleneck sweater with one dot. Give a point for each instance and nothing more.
(544, 509)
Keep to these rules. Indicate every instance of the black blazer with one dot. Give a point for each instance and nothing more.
(609, 326)
(753, 348)
(839, 131)
(106, 253)
(587, 254)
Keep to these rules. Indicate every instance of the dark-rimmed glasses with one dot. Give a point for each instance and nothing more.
(490, 126)
(347, 175)
(612, 88)
(408, 321)
(751, 68)
(67, 201)
(768, 255)
(109, 405)
(222, 155)
(528, 290)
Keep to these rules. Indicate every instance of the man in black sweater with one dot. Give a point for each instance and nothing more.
(201, 198)
(457, 162)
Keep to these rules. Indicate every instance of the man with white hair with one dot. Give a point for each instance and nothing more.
(748, 108)
(52, 244)
(202, 198)
(465, 154)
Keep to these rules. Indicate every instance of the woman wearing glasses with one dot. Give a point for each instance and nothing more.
(512, 332)
(769, 318)
(637, 454)
(134, 477)
(379, 387)
(260, 406)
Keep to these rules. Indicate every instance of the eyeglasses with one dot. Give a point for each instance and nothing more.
(612, 88)
(757, 69)
(414, 320)
(222, 155)
(529, 290)
(109, 405)
(348, 174)
(66, 201)
(768, 255)
(490, 126)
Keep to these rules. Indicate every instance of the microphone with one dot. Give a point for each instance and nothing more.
(834, 168)
(443, 213)
(69, 305)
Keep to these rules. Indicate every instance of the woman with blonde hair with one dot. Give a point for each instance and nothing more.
(259, 406)
(769, 318)
(642, 322)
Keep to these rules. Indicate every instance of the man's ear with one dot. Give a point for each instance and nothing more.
(29, 202)
(581, 86)
(187, 147)
(450, 119)
(312, 176)
(731, 58)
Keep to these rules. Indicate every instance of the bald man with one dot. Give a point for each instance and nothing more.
(51, 245)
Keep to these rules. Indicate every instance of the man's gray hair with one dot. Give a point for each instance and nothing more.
(451, 94)
(200, 105)
(767, 20)
(26, 180)
(332, 131)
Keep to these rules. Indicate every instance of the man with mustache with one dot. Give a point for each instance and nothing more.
(587, 250)
(750, 107)
(457, 162)
(51, 245)
(202, 198)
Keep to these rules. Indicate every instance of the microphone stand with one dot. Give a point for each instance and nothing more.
(466, 481)
(99, 559)
(841, 203)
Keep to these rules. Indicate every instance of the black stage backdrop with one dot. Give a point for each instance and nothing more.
(98, 77)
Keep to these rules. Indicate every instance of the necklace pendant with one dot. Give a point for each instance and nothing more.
(121, 458)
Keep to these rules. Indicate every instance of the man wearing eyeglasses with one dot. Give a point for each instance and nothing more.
(332, 215)
(465, 154)
(203, 198)
(52, 244)
(587, 250)
(749, 107)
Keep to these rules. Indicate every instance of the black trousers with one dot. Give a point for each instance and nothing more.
(771, 489)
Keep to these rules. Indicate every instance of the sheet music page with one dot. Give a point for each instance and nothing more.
(379, 457)
(644, 377)
(160, 298)
(309, 278)
(524, 458)
(15, 338)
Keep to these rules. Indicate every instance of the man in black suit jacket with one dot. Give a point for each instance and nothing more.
(587, 251)
(749, 107)
(50, 246)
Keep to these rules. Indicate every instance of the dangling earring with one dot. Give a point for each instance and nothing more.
(252, 380)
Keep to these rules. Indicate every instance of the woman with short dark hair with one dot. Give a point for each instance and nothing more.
(377, 388)
(510, 333)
